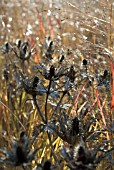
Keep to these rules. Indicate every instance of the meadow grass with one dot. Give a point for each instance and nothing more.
(82, 32)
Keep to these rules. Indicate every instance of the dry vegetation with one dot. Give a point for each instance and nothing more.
(57, 84)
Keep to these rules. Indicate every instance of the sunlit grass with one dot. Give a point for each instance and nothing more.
(80, 31)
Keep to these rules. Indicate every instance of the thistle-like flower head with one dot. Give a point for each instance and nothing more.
(20, 152)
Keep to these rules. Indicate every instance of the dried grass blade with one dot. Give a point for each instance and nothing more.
(101, 108)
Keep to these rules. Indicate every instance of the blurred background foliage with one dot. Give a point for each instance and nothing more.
(82, 31)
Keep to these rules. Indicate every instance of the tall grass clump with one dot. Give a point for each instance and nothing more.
(57, 85)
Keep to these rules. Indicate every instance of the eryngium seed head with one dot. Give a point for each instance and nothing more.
(35, 81)
(73, 126)
(105, 73)
(84, 62)
(47, 165)
(61, 59)
(21, 156)
(84, 155)
(18, 43)
(81, 154)
(20, 152)
(6, 74)
(52, 71)
(25, 49)
(71, 73)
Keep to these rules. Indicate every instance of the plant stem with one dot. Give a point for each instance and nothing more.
(58, 104)
(47, 101)
(38, 109)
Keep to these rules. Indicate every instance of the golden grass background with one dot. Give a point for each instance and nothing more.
(84, 27)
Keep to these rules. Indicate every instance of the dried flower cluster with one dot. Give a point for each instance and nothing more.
(56, 86)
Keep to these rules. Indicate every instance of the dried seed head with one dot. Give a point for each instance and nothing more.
(47, 165)
(51, 43)
(81, 154)
(6, 47)
(20, 152)
(6, 75)
(35, 81)
(71, 74)
(21, 156)
(22, 134)
(84, 62)
(25, 49)
(84, 155)
(105, 73)
(18, 43)
(52, 71)
(73, 126)
(61, 59)
(23, 137)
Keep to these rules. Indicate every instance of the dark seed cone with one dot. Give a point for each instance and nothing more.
(84, 155)
(73, 131)
(22, 134)
(25, 49)
(71, 74)
(52, 71)
(35, 81)
(47, 165)
(61, 59)
(6, 75)
(81, 155)
(84, 62)
(105, 73)
(21, 155)
(6, 47)
(73, 126)
(51, 43)
(18, 43)
(20, 151)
